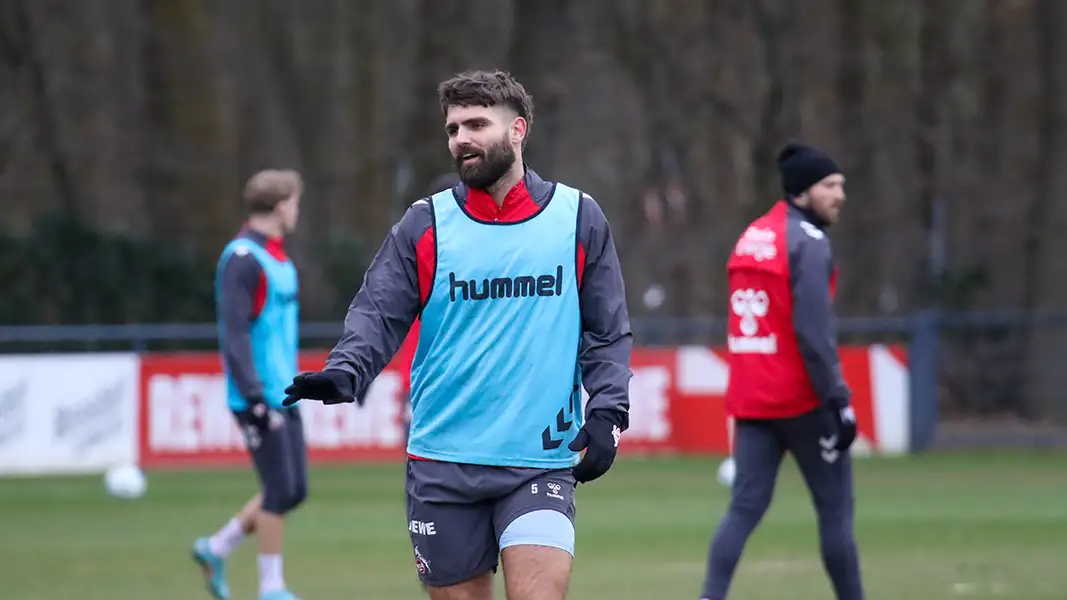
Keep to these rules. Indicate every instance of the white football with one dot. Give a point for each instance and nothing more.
(126, 482)
(727, 471)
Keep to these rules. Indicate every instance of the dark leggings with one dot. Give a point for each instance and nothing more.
(758, 450)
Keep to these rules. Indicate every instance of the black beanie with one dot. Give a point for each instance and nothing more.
(802, 167)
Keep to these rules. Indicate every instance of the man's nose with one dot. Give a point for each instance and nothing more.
(463, 137)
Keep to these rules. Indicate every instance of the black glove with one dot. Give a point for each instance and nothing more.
(258, 412)
(838, 426)
(257, 420)
(845, 422)
(599, 437)
(331, 386)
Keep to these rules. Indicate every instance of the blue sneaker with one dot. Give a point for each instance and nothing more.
(214, 568)
(278, 595)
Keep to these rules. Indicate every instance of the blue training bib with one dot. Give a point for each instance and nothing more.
(495, 377)
(274, 333)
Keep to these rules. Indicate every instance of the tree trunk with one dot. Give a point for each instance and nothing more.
(1044, 265)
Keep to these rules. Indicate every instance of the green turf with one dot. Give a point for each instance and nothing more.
(933, 527)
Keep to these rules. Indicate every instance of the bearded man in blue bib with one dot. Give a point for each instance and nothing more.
(519, 294)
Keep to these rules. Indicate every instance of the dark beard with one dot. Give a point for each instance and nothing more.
(813, 217)
(495, 162)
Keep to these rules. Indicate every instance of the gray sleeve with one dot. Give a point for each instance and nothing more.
(385, 306)
(240, 280)
(814, 320)
(606, 337)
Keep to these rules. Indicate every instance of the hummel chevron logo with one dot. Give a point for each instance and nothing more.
(829, 452)
(547, 442)
(562, 425)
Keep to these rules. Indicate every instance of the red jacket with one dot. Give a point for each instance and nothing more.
(771, 359)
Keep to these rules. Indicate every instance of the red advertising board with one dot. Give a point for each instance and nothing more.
(185, 420)
(676, 397)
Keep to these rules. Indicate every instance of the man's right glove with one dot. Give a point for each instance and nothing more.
(331, 386)
(599, 437)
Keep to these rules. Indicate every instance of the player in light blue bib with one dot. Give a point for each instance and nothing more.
(520, 300)
(258, 304)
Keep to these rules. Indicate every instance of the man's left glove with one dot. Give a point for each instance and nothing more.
(846, 427)
(259, 414)
(258, 420)
(599, 437)
(331, 386)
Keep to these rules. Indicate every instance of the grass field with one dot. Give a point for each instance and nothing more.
(932, 527)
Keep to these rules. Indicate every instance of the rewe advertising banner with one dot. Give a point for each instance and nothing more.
(169, 410)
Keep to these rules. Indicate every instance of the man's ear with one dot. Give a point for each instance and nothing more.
(519, 130)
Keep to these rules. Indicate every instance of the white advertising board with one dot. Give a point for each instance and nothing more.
(67, 413)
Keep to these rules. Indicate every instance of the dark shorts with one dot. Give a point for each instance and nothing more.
(461, 516)
(279, 454)
(760, 445)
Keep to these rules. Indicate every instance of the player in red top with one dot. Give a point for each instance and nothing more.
(786, 391)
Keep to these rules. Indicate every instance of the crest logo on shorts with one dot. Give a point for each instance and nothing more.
(553, 490)
(421, 563)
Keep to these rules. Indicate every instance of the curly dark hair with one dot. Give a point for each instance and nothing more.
(486, 88)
